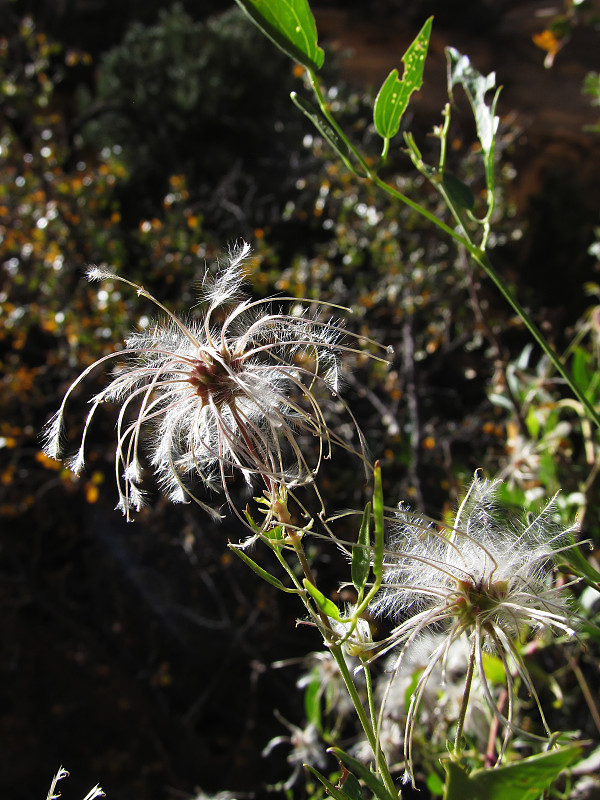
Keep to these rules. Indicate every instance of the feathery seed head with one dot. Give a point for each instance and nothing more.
(232, 391)
(487, 578)
(486, 563)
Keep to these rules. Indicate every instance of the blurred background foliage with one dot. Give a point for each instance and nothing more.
(146, 137)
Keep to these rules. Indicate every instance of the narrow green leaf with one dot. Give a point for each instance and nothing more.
(334, 791)
(521, 780)
(262, 573)
(476, 86)
(580, 368)
(290, 25)
(250, 521)
(379, 525)
(364, 773)
(324, 128)
(324, 604)
(274, 534)
(361, 556)
(394, 95)
(312, 700)
(458, 192)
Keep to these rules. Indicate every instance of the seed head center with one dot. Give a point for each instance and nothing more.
(213, 380)
(477, 599)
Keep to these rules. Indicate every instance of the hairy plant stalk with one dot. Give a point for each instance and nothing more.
(370, 696)
(382, 767)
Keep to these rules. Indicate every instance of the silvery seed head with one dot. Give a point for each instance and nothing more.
(487, 578)
(234, 391)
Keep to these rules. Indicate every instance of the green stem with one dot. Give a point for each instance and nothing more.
(279, 555)
(370, 174)
(382, 767)
(481, 257)
(385, 149)
(444, 138)
(477, 253)
(331, 120)
(295, 539)
(424, 212)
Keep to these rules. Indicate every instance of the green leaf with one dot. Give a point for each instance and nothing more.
(364, 773)
(394, 95)
(312, 700)
(494, 669)
(274, 534)
(324, 128)
(521, 780)
(290, 25)
(262, 573)
(434, 784)
(324, 604)
(532, 420)
(352, 787)
(361, 556)
(476, 86)
(458, 192)
(580, 368)
(251, 522)
(334, 791)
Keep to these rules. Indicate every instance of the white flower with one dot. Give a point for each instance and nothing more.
(487, 578)
(232, 391)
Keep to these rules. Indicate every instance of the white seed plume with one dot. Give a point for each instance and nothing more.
(233, 391)
(487, 578)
